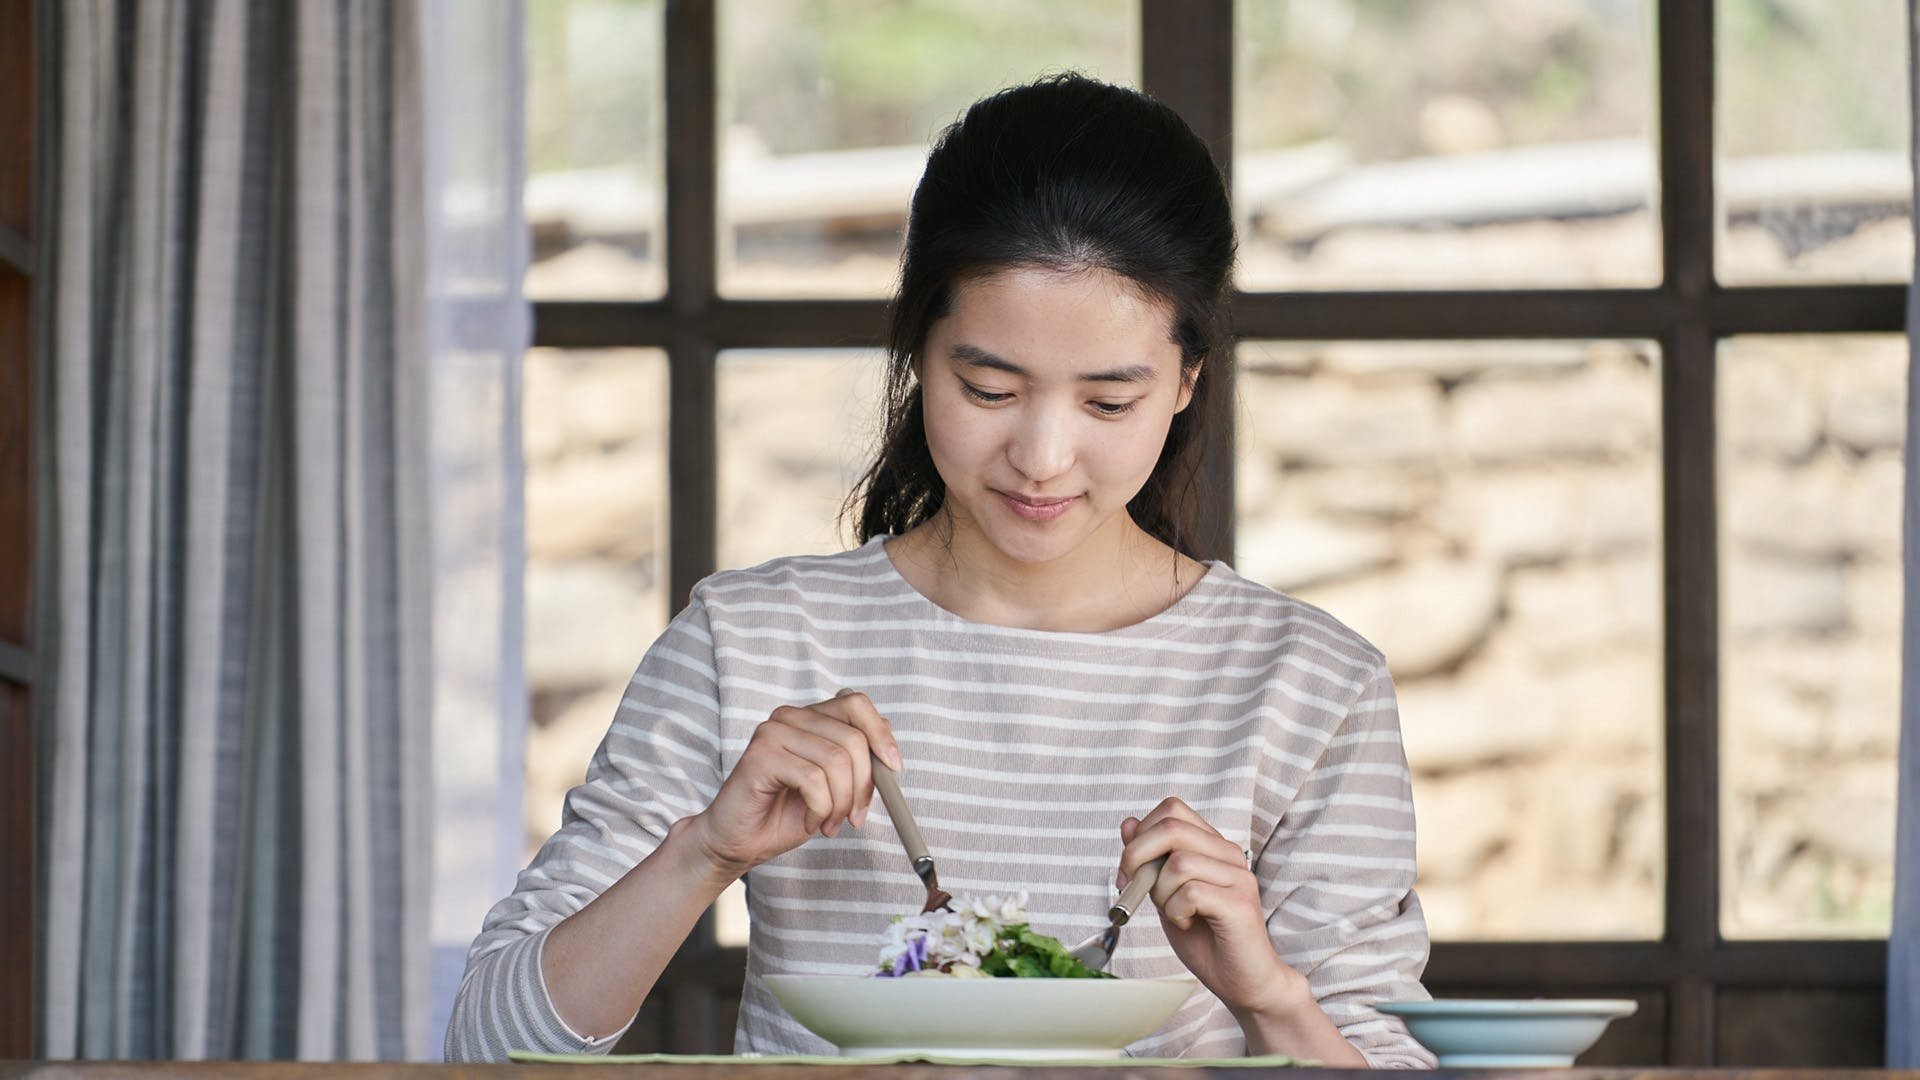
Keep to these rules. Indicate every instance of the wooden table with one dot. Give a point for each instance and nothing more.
(751, 1070)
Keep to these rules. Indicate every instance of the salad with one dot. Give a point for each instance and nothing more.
(978, 938)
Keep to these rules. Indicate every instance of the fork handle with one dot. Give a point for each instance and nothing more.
(896, 803)
(1136, 891)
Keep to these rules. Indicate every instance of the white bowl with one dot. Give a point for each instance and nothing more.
(995, 1018)
(1535, 1033)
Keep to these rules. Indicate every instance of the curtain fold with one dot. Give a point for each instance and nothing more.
(1903, 945)
(237, 830)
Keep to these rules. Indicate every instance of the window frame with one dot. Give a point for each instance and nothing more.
(1187, 55)
(20, 83)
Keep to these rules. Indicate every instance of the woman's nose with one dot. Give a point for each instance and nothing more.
(1043, 446)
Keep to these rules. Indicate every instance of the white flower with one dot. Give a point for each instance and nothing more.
(1014, 908)
(952, 941)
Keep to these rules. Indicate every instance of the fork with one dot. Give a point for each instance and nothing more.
(1097, 950)
(903, 823)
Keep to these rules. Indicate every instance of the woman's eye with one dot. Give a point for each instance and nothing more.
(978, 394)
(1113, 408)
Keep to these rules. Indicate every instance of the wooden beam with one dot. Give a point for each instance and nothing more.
(1186, 62)
(1543, 966)
(692, 235)
(1413, 315)
(16, 254)
(19, 937)
(1688, 454)
(16, 664)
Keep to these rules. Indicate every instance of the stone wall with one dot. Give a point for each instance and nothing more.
(1487, 513)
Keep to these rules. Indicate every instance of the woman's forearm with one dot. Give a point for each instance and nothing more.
(1293, 1023)
(602, 961)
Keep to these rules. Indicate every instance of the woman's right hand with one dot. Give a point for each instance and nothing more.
(807, 770)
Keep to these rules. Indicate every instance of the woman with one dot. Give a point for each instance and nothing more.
(1072, 694)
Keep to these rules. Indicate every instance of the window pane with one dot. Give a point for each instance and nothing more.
(827, 107)
(1488, 515)
(596, 101)
(1811, 435)
(796, 430)
(595, 435)
(1813, 174)
(1455, 144)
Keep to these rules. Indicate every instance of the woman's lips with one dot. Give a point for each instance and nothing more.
(1037, 510)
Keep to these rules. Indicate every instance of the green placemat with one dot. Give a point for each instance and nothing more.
(528, 1056)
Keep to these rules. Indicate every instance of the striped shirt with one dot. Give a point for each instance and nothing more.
(1024, 750)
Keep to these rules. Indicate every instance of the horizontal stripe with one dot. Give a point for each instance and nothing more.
(1025, 750)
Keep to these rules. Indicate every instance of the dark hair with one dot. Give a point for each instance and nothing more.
(1066, 173)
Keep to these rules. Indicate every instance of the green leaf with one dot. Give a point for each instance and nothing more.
(1022, 952)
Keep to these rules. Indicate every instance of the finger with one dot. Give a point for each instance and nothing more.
(1129, 829)
(830, 756)
(1198, 901)
(827, 724)
(786, 770)
(859, 758)
(858, 711)
(1171, 834)
(1185, 868)
(1173, 808)
(855, 708)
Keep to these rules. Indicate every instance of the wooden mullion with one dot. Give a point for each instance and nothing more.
(728, 324)
(1692, 707)
(692, 233)
(1687, 215)
(1566, 313)
(1186, 62)
(1851, 964)
(1856, 964)
(1689, 500)
(16, 663)
(16, 253)
(22, 177)
(692, 193)
(1431, 315)
(1379, 316)
(1807, 309)
(1549, 964)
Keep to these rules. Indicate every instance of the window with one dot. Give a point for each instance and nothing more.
(1586, 414)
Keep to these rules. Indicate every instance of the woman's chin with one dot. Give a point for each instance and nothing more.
(1035, 544)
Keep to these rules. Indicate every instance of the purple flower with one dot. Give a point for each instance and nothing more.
(913, 959)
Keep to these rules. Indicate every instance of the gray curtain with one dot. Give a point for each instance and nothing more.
(235, 820)
(1903, 946)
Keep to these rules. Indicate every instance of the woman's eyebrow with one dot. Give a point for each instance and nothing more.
(975, 356)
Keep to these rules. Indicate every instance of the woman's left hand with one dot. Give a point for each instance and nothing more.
(1209, 904)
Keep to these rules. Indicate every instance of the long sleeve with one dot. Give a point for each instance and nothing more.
(659, 762)
(1337, 877)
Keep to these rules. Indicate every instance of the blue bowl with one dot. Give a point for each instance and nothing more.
(1536, 1033)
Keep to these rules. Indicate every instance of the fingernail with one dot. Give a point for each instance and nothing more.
(894, 759)
(859, 817)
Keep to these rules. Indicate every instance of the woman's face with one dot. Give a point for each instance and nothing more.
(1048, 397)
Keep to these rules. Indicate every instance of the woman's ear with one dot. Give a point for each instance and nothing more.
(1189, 378)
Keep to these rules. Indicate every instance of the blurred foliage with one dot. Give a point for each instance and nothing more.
(1799, 75)
(1390, 78)
(807, 75)
(596, 93)
(1396, 78)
